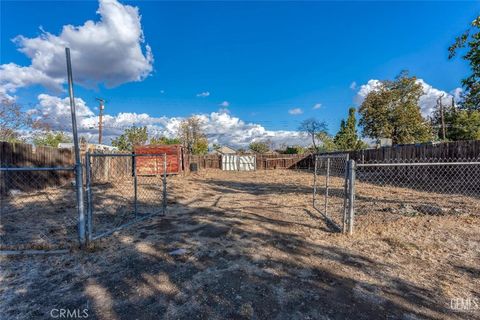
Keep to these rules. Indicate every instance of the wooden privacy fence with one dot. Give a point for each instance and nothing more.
(25, 155)
(264, 162)
(425, 152)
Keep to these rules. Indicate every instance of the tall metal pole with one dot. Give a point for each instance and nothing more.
(88, 183)
(78, 163)
(315, 180)
(164, 200)
(100, 119)
(345, 193)
(135, 184)
(351, 216)
(327, 182)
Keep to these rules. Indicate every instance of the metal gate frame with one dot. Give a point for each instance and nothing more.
(89, 217)
(347, 219)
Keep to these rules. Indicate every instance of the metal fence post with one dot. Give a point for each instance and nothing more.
(345, 194)
(78, 163)
(327, 181)
(164, 200)
(135, 190)
(88, 183)
(351, 188)
(315, 180)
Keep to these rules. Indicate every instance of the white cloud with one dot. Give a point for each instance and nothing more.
(295, 111)
(224, 104)
(220, 127)
(203, 94)
(427, 101)
(353, 85)
(317, 106)
(109, 51)
(457, 94)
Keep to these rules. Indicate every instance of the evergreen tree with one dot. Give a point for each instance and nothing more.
(347, 137)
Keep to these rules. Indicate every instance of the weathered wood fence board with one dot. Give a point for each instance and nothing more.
(264, 162)
(25, 155)
(426, 152)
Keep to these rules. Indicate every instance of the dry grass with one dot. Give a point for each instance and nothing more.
(256, 249)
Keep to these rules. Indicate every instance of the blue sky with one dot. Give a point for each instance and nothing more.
(264, 58)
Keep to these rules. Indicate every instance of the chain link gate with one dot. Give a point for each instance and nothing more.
(120, 192)
(331, 190)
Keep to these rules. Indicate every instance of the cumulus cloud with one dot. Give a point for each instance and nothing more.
(317, 106)
(220, 127)
(224, 104)
(295, 111)
(203, 94)
(110, 51)
(353, 85)
(427, 101)
(457, 94)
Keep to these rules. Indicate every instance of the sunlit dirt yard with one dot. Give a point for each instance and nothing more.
(249, 245)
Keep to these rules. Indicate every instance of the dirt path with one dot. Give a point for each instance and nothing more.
(252, 247)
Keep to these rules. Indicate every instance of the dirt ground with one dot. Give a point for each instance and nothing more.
(251, 246)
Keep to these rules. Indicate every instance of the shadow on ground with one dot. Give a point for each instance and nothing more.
(233, 264)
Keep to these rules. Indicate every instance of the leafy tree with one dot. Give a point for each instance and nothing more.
(259, 147)
(164, 140)
(312, 127)
(13, 121)
(327, 144)
(131, 137)
(469, 42)
(51, 139)
(347, 137)
(192, 137)
(200, 146)
(294, 150)
(392, 111)
(463, 125)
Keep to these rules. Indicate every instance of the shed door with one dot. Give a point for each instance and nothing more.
(230, 162)
(246, 163)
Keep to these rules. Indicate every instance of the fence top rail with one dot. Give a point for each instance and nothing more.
(38, 169)
(127, 154)
(335, 155)
(273, 159)
(411, 164)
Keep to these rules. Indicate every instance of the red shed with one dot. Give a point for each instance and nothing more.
(154, 165)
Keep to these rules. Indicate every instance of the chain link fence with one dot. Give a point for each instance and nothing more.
(123, 189)
(37, 208)
(416, 188)
(346, 193)
(330, 189)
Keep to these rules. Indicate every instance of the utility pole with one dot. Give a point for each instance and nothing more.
(100, 119)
